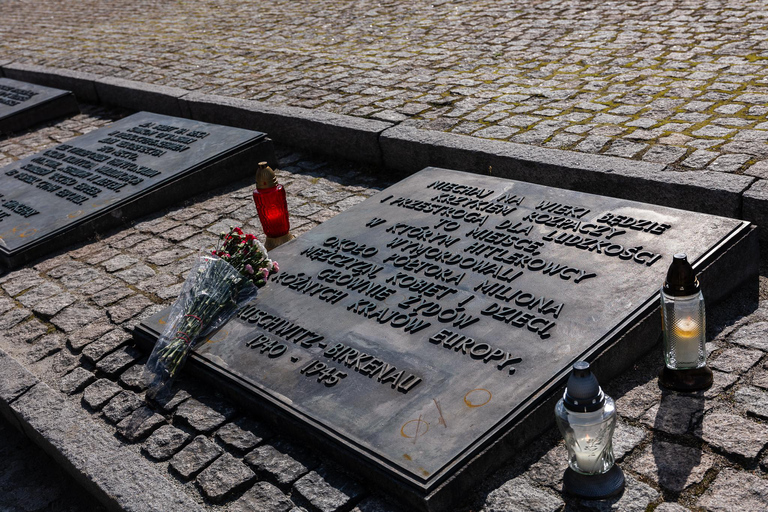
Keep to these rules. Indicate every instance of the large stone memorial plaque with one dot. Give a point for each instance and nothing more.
(132, 167)
(23, 105)
(425, 331)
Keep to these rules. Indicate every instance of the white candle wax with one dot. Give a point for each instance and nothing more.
(686, 334)
(588, 461)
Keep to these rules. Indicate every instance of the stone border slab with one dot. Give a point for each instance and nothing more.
(118, 477)
(756, 206)
(405, 149)
(352, 138)
(81, 84)
(140, 96)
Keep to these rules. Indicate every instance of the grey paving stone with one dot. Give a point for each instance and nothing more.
(133, 378)
(17, 282)
(15, 380)
(14, 317)
(46, 290)
(224, 477)
(76, 317)
(328, 490)
(243, 434)
(753, 335)
(262, 496)
(626, 438)
(164, 442)
(675, 467)
(82, 337)
(128, 308)
(733, 434)
(675, 414)
(50, 307)
(728, 163)
(105, 344)
(99, 393)
(671, 507)
(169, 401)
(76, 380)
(664, 154)
(25, 332)
(735, 490)
(753, 400)
(625, 148)
(548, 470)
(520, 495)
(111, 295)
(119, 262)
(118, 361)
(636, 401)
(136, 273)
(122, 406)
(204, 416)
(195, 457)
(760, 378)
(282, 461)
(44, 347)
(140, 423)
(736, 360)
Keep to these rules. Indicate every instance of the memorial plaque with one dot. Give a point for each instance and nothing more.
(418, 331)
(130, 168)
(23, 105)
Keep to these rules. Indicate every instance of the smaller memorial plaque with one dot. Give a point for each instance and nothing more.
(424, 333)
(23, 105)
(127, 169)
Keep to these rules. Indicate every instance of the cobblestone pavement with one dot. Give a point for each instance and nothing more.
(683, 83)
(68, 318)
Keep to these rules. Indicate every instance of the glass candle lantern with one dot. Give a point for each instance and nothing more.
(683, 317)
(586, 418)
(272, 207)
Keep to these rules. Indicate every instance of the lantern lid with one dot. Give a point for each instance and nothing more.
(681, 278)
(582, 392)
(265, 177)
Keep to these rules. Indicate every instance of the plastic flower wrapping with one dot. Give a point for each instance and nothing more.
(219, 283)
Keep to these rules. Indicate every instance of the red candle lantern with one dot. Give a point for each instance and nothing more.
(269, 197)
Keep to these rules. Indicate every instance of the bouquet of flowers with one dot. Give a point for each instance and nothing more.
(217, 285)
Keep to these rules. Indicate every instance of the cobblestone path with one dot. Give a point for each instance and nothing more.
(68, 319)
(675, 82)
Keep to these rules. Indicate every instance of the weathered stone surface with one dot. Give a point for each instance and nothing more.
(735, 490)
(548, 470)
(44, 347)
(753, 400)
(44, 291)
(635, 402)
(520, 495)
(224, 476)
(737, 360)
(243, 434)
(75, 317)
(671, 507)
(122, 405)
(164, 442)
(204, 416)
(26, 332)
(168, 402)
(734, 434)
(675, 414)
(195, 457)
(99, 393)
(50, 307)
(13, 317)
(82, 337)
(118, 360)
(142, 422)
(106, 344)
(673, 466)
(752, 335)
(626, 438)
(282, 461)
(128, 308)
(14, 379)
(262, 496)
(76, 380)
(133, 378)
(111, 295)
(328, 490)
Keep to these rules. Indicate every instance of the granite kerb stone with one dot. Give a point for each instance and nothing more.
(407, 149)
(120, 92)
(80, 83)
(114, 474)
(756, 206)
(338, 135)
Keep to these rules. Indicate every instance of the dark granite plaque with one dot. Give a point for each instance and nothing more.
(424, 333)
(23, 105)
(127, 169)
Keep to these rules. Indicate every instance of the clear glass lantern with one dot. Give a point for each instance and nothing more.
(683, 317)
(587, 418)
